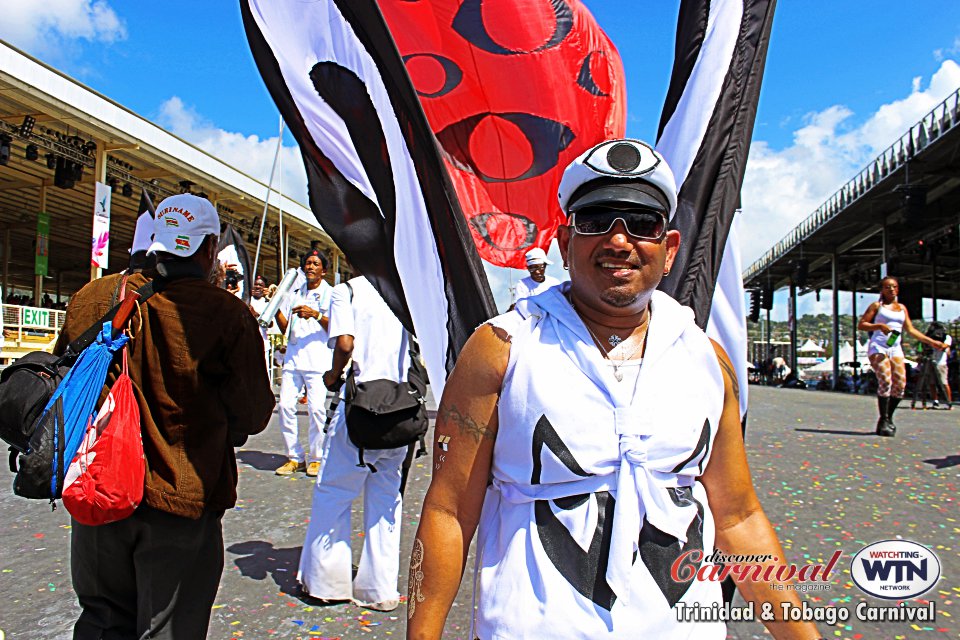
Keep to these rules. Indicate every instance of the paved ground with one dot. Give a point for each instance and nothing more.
(826, 482)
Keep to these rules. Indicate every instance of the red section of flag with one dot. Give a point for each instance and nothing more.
(514, 90)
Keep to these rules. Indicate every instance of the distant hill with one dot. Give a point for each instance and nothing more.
(819, 328)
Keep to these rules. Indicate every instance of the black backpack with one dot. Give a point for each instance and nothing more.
(27, 385)
(383, 414)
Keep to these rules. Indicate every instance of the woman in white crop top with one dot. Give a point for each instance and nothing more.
(887, 319)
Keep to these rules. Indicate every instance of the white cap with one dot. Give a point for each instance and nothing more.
(537, 256)
(143, 234)
(182, 222)
(626, 172)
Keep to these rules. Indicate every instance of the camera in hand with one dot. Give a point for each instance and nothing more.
(232, 278)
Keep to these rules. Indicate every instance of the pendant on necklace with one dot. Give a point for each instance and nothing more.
(614, 340)
(617, 374)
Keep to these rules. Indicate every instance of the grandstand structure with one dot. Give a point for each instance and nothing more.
(899, 216)
(58, 138)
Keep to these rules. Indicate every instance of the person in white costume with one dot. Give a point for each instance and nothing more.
(941, 357)
(538, 281)
(887, 319)
(593, 434)
(307, 356)
(362, 327)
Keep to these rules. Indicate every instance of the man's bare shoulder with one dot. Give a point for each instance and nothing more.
(719, 350)
(483, 360)
(726, 367)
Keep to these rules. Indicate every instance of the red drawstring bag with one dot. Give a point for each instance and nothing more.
(104, 483)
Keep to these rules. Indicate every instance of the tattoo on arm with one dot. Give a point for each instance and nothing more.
(415, 579)
(467, 425)
(443, 444)
(733, 377)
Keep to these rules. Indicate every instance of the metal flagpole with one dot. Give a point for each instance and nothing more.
(280, 234)
(266, 199)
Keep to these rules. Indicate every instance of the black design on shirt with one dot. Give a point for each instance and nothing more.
(659, 550)
(703, 444)
(545, 434)
(585, 570)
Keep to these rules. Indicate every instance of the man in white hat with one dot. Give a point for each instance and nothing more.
(593, 434)
(538, 281)
(196, 363)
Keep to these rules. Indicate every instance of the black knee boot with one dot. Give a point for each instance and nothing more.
(891, 407)
(884, 427)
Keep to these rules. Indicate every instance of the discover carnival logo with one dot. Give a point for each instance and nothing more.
(718, 566)
(895, 569)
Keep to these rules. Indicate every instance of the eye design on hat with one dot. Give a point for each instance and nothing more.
(622, 158)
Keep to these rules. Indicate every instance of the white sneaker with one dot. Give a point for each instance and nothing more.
(386, 605)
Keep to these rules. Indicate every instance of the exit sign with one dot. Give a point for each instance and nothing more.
(35, 317)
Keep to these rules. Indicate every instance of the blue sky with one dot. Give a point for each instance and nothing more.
(843, 80)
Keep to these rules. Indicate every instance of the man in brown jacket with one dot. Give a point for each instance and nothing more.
(196, 361)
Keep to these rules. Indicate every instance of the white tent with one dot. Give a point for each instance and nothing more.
(826, 367)
(846, 357)
(846, 353)
(810, 347)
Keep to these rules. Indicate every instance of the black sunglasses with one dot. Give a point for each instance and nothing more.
(643, 224)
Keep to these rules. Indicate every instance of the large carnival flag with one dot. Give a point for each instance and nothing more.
(514, 91)
(705, 133)
(377, 182)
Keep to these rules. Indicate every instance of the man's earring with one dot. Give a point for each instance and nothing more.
(565, 267)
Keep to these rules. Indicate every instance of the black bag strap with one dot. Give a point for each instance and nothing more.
(89, 336)
(413, 345)
(167, 272)
(414, 349)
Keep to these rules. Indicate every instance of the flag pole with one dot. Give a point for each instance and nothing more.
(266, 199)
(281, 237)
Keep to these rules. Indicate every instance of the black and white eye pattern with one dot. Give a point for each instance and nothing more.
(623, 158)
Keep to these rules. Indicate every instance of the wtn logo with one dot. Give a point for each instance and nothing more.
(895, 569)
(903, 570)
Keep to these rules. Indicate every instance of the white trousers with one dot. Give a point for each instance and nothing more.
(267, 358)
(326, 564)
(290, 384)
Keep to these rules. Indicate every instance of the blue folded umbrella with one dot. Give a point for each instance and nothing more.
(77, 394)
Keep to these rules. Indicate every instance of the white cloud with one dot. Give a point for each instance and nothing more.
(782, 187)
(248, 153)
(44, 27)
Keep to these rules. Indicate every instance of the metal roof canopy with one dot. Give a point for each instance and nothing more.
(138, 153)
(869, 215)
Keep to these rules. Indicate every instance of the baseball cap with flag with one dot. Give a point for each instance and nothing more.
(619, 173)
(181, 224)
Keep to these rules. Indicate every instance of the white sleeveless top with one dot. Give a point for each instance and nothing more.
(878, 340)
(594, 488)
